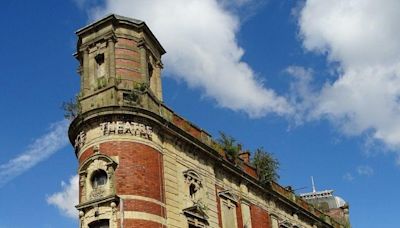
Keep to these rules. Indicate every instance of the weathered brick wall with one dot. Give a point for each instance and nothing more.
(259, 217)
(140, 224)
(217, 189)
(138, 178)
(239, 215)
(144, 206)
(127, 59)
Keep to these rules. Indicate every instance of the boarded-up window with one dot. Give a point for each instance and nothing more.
(274, 222)
(246, 215)
(228, 209)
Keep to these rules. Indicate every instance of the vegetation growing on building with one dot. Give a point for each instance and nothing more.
(265, 163)
(230, 146)
(71, 108)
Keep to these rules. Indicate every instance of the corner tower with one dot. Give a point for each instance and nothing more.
(117, 56)
(115, 133)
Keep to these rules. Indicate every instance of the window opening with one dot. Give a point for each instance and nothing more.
(101, 71)
(100, 224)
(99, 178)
(150, 70)
(192, 191)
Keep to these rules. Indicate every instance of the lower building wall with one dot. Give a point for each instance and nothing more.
(131, 223)
(145, 207)
(154, 180)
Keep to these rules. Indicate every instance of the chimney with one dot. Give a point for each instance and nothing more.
(245, 156)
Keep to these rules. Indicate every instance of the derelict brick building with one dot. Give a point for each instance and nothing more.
(143, 165)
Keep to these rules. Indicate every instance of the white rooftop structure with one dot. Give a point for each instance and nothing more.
(324, 199)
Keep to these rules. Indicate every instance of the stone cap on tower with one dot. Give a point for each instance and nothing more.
(118, 19)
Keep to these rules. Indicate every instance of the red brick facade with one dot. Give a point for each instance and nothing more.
(139, 174)
(139, 170)
(127, 59)
(217, 189)
(239, 215)
(144, 206)
(140, 224)
(259, 217)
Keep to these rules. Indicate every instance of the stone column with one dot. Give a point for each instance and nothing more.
(86, 86)
(111, 59)
(158, 67)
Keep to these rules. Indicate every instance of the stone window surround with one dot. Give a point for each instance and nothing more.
(88, 168)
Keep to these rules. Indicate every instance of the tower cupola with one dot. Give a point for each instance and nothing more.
(119, 63)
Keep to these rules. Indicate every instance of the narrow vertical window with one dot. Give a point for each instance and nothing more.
(150, 70)
(228, 202)
(100, 68)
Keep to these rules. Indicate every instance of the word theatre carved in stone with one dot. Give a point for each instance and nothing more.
(127, 128)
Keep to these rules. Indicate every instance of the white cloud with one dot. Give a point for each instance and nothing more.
(200, 38)
(302, 95)
(361, 170)
(365, 170)
(38, 151)
(67, 199)
(362, 38)
(348, 177)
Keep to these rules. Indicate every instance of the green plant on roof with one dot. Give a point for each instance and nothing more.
(266, 165)
(230, 146)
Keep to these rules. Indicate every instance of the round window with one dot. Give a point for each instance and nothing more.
(99, 178)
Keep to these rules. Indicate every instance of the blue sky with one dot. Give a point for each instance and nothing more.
(315, 82)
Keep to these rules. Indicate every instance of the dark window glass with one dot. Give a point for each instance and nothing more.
(99, 178)
(192, 191)
(100, 224)
(150, 69)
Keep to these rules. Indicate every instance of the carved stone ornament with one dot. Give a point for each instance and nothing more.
(194, 185)
(191, 177)
(97, 193)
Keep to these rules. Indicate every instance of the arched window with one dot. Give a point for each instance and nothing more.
(99, 178)
(100, 68)
(100, 224)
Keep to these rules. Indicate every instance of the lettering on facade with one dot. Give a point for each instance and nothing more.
(80, 140)
(127, 128)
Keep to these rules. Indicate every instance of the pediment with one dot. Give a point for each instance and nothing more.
(196, 212)
(228, 195)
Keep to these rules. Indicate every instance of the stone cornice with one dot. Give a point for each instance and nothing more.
(120, 20)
